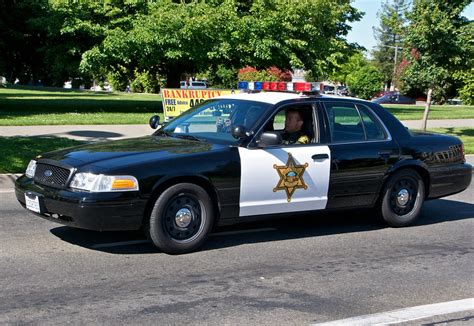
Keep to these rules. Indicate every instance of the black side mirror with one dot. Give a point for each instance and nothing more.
(270, 138)
(154, 122)
(239, 132)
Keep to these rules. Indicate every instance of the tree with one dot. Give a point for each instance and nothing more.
(353, 64)
(389, 37)
(439, 43)
(365, 81)
(175, 38)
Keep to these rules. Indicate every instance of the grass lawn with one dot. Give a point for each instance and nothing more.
(413, 112)
(20, 106)
(18, 151)
(465, 134)
(48, 106)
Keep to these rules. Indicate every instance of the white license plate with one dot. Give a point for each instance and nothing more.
(32, 203)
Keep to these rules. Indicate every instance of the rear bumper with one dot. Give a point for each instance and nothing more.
(449, 180)
(111, 211)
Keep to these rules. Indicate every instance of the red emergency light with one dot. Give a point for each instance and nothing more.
(302, 87)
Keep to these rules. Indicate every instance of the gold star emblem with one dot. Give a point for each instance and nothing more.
(291, 177)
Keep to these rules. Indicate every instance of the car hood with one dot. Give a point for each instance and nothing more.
(127, 151)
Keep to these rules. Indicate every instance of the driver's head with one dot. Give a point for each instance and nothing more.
(293, 121)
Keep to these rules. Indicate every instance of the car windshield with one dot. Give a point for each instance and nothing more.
(214, 119)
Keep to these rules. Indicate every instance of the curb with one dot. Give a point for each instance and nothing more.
(7, 181)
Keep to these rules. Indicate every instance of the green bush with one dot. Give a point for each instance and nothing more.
(145, 82)
(365, 82)
(466, 92)
(117, 80)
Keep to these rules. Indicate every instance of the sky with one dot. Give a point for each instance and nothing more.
(362, 32)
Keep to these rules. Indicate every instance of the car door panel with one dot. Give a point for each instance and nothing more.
(284, 179)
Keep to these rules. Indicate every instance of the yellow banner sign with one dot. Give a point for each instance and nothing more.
(176, 101)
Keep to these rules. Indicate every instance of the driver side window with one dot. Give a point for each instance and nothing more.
(294, 123)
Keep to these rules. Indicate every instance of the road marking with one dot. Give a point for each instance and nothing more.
(241, 232)
(118, 244)
(406, 314)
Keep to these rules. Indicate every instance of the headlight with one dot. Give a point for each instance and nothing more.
(104, 183)
(31, 169)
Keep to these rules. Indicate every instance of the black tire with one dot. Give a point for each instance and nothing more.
(402, 199)
(175, 235)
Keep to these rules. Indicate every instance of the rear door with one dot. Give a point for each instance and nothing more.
(362, 150)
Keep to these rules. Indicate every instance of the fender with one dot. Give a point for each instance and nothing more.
(414, 164)
(197, 179)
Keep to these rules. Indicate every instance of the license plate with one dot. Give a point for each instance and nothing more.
(32, 203)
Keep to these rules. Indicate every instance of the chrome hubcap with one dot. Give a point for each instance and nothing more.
(183, 217)
(402, 197)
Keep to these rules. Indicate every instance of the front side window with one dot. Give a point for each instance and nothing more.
(214, 119)
(294, 123)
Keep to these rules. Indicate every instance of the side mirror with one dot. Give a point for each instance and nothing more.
(270, 138)
(216, 113)
(154, 122)
(239, 132)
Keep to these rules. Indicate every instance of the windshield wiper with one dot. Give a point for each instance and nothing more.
(187, 136)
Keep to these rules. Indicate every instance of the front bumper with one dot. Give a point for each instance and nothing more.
(110, 211)
(449, 179)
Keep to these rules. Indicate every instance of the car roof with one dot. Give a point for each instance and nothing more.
(277, 97)
(266, 97)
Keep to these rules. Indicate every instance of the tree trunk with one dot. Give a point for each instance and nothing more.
(427, 109)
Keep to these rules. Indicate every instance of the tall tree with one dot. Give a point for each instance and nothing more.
(439, 43)
(178, 37)
(389, 36)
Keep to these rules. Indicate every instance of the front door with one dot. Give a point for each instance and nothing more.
(285, 178)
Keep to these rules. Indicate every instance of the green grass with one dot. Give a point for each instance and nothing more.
(465, 134)
(413, 112)
(18, 151)
(20, 106)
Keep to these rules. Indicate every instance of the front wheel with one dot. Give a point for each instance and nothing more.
(181, 219)
(402, 198)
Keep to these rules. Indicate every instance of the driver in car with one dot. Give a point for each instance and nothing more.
(292, 133)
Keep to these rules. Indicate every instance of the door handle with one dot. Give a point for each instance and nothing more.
(320, 156)
(385, 153)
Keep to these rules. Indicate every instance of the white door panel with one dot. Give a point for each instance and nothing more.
(280, 180)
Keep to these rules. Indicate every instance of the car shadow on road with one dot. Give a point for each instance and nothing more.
(295, 227)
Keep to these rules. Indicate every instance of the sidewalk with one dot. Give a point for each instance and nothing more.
(105, 132)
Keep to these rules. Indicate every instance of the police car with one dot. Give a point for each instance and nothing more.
(224, 161)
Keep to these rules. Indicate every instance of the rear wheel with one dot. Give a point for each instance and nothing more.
(181, 219)
(402, 198)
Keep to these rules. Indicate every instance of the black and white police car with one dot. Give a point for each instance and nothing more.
(223, 161)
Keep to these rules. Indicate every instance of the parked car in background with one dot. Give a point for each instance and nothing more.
(394, 98)
(193, 84)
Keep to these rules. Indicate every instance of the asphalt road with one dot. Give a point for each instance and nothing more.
(296, 271)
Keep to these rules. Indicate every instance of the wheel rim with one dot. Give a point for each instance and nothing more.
(184, 218)
(403, 196)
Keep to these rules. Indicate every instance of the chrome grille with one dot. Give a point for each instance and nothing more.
(51, 175)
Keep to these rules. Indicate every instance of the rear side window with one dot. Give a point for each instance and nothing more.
(351, 123)
(345, 122)
(373, 129)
